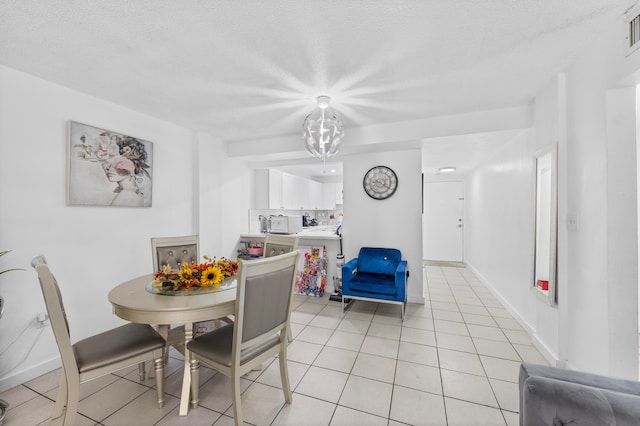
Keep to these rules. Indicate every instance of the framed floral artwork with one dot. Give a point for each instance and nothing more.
(106, 168)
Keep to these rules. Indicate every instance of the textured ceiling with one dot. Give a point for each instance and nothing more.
(250, 70)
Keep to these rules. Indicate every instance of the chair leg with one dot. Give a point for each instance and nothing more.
(237, 399)
(159, 369)
(61, 399)
(141, 371)
(73, 398)
(195, 382)
(284, 373)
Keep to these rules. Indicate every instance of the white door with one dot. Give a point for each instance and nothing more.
(442, 221)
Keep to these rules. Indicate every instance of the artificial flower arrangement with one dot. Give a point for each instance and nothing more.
(209, 273)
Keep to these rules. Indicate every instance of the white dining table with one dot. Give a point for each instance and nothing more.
(133, 301)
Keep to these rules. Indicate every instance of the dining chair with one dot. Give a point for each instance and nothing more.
(275, 244)
(98, 355)
(174, 251)
(262, 309)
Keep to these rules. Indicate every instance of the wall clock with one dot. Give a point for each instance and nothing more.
(380, 182)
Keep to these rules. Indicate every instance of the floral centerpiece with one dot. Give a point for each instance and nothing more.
(206, 274)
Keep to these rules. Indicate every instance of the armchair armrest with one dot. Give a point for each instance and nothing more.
(401, 280)
(348, 269)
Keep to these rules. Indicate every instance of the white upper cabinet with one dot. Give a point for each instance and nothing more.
(280, 190)
(268, 189)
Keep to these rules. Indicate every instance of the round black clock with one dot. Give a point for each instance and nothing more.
(380, 182)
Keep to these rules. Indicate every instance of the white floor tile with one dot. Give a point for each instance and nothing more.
(199, 416)
(507, 394)
(512, 419)
(143, 410)
(496, 349)
(216, 394)
(447, 315)
(323, 384)
(422, 323)
(375, 367)
(474, 310)
(367, 395)
(530, 354)
(344, 340)
(110, 398)
(300, 317)
(517, 336)
(418, 376)
(388, 331)
(336, 359)
(463, 413)
(344, 416)
(316, 335)
(451, 327)
(260, 404)
(414, 335)
(359, 315)
(380, 346)
(32, 412)
(485, 332)
(451, 306)
(509, 323)
(455, 342)
(460, 361)
(468, 387)
(421, 354)
(501, 369)
(354, 326)
(303, 352)
(305, 411)
(394, 318)
(271, 375)
(414, 407)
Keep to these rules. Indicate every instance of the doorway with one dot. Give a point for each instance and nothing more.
(443, 221)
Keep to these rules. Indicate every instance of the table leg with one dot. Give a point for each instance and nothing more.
(186, 375)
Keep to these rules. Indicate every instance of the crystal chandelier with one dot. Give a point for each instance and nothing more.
(323, 130)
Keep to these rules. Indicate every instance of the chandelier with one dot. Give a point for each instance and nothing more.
(323, 130)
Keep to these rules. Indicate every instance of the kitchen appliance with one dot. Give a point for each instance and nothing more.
(285, 224)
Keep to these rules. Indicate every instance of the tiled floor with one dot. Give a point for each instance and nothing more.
(454, 361)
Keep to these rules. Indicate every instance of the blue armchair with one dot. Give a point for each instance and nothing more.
(377, 274)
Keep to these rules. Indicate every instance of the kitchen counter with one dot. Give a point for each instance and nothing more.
(311, 236)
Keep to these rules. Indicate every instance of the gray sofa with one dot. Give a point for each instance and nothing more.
(555, 396)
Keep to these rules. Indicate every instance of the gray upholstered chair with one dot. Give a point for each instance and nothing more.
(556, 396)
(96, 356)
(275, 245)
(262, 310)
(174, 251)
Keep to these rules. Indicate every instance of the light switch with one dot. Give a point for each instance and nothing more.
(572, 222)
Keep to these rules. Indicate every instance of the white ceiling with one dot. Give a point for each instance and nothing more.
(249, 71)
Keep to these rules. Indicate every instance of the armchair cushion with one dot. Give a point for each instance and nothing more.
(377, 273)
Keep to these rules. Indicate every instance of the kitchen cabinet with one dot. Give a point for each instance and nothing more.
(275, 189)
(268, 189)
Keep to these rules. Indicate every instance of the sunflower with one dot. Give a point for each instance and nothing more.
(211, 276)
(186, 275)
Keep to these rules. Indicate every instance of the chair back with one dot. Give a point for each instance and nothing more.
(57, 314)
(174, 251)
(263, 301)
(275, 245)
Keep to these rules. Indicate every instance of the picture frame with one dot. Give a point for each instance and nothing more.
(107, 168)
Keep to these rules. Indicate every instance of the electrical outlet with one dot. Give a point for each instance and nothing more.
(572, 222)
(42, 320)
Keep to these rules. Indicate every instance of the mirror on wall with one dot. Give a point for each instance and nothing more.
(546, 224)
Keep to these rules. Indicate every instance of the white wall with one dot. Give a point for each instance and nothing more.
(89, 249)
(594, 327)
(499, 228)
(395, 222)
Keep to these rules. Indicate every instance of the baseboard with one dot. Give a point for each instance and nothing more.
(551, 358)
(17, 378)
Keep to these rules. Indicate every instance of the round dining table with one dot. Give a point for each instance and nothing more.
(137, 300)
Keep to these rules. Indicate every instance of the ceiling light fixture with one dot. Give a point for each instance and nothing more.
(323, 130)
(447, 169)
